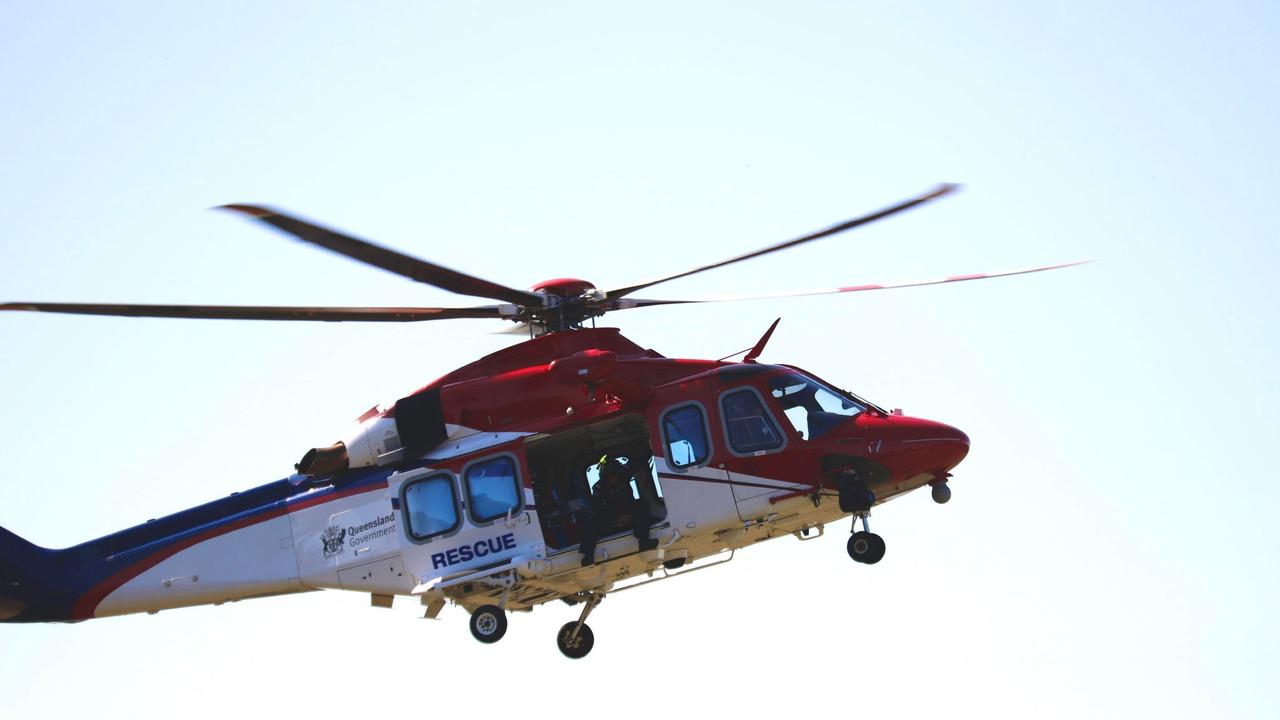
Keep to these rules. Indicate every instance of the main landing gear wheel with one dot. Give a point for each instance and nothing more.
(488, 623)
(579, 646)
(866, 547)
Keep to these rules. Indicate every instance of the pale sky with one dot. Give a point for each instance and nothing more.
(1110, 548)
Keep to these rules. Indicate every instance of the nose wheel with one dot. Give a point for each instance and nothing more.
(865, 546)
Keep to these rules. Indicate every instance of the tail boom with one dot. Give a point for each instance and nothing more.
(230, 549)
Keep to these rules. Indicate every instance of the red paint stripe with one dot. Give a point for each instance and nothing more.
(718, 481)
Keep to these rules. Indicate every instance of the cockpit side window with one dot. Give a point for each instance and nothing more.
(749, 426)
(812, 408)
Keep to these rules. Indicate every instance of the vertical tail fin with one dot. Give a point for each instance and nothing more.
(27, 580)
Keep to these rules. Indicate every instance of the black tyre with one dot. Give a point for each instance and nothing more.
(488, 623)
(581, 645)
(858, 546)
(865, 547)
(877, 549)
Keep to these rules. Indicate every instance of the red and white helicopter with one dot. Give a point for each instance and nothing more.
(477, 489)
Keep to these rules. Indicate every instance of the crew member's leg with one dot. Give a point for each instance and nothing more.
(589, 532)
(640, 522)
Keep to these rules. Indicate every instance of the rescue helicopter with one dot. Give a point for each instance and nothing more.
(482, 487)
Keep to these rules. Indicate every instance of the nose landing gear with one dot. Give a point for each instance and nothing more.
(865, 547)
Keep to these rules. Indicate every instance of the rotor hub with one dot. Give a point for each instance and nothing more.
(564, 287)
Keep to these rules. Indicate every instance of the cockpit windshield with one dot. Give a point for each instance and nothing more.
(812, 408)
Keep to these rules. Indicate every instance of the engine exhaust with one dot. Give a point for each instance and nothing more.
(323, 461)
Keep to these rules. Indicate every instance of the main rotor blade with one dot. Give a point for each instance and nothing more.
(637, 302)
(834, 229)
(246, 312)
(396, 262)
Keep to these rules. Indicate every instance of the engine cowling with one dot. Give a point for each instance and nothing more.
(374, 442)
(415, 425)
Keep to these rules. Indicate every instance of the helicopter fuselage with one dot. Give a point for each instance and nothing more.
(478, 489)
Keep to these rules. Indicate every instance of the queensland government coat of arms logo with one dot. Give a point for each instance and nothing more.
(333, 537)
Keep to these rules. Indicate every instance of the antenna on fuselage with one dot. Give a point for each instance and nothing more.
(764, 340)
(754, 351)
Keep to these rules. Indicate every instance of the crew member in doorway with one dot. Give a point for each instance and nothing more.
(612, 504)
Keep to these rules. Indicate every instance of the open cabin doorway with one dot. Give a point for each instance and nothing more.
(564, 469)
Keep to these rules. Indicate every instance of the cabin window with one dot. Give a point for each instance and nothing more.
(749, 426)
(684, 430)
(493, 487)
(431, 506)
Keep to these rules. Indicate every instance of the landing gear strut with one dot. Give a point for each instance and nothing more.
(865, 547)
(575, 639)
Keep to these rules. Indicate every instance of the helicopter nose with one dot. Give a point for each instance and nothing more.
(937, 447)
(950, 445)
